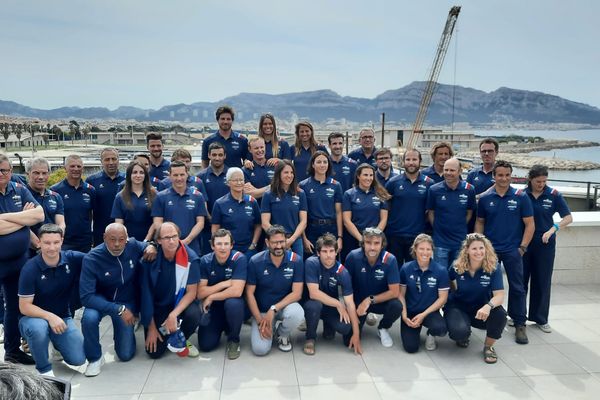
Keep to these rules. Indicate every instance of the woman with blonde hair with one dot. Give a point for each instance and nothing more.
(477, 295)
(304, 148)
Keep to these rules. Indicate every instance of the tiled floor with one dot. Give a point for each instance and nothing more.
(562, 365)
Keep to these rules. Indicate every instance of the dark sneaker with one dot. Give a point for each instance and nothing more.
(521, 335)
(463, 343)
(328, 333)
(233, 350)
(19, 357)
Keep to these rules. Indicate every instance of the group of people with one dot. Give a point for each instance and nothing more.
(275, 233)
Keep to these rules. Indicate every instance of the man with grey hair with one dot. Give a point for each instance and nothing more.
(110, 285)
(366, 152)
(38, 171)
(79, 198)
(106, 182)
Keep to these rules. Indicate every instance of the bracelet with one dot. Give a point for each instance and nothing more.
(557, 227)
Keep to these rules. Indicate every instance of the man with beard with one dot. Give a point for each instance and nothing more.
(344, 168)
(159, 166)
(385, 171)
(236, 145)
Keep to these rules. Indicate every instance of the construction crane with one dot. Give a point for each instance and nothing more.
(431, 83)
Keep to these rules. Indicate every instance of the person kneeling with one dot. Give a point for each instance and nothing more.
(46, 284)
(324, 275)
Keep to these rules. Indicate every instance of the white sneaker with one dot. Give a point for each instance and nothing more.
(386, 339)
(284, 343)
(371, 319)
(430, 343)
(78, 314)
(1, 333)
(49, 373)
(510, 322)
(192, 350)
(93, 368)
(546, 328)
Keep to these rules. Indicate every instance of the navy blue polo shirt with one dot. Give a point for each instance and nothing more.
(236, 148)
(108, 281)
(216, 185)
(160, 171)
(481, 180)
(239, 217)
(370, 280)
(544, 208)
(359, 156)
(422, 286)
(273, 283)
(284, 210)
(302, 160)
(260, 176)
(407, 206)
(504, 217)
(79, 203)
(472, 292)
(430, 172)
(450, 208)
(382, 181)
(283, 150)
(51, 287)
(321, 197)
(106, 190)
(344, 171)
(182, 210)
(365, 207)
(236, 268)
(136, 219)
(52, 204)
(328, 279)
(192, 181)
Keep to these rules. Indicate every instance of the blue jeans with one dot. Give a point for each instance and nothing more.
(123, 336)
(445, 256)
(37, 332)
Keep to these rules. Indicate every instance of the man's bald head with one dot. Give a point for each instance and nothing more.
(115, 238)
(452, 171)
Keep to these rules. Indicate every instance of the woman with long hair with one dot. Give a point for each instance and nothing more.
(324, 201)
(538, 261)
(275, 148)
(133, 204)
(304, 148)
(477, 295)
(364, 205)
(284, 203)
(424, 289)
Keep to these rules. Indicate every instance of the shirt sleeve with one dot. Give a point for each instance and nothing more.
(561, 206)
(303, 201)
(526, 206)
(205, 145)
(200, 205)
(393, 275)
(346, 283)
(298, 271)
(157, 207)
(311, 271)
(60, 205)
(471, 202)
(443, 279)
(240, 269)
(216, 215)
(203, 268)
(430, 202)
(496, 278)
(347, 201)
(27, 197)
(194, 274)
(265, 204)
(251, 278)
(27, 280)
(256, 212)
(338, 193)
(402, 275)
(117, 209)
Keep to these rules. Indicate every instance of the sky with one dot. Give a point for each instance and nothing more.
(150, 53)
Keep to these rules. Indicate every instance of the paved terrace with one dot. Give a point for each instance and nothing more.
(562, 365)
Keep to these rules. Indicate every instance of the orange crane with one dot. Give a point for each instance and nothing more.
(431, 83)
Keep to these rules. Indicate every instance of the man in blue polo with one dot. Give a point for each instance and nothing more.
(236, 145)
(406, 217)
(385, 171)
(440, 152)
(45, 288)
(79, 199)
(159, 165)
(482, 177)
(325, 278)
(505, 216)
(38, 171)
(376, 282)
(450, 206)
(259, 176)
(366, 152)
(110, 286)
(18, 212)
(344, 167)
(222, 279)
(192, 181)
(182, 205)
(106, 182)
(273, 290)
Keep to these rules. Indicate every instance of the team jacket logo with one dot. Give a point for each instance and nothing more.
(86, 198)
(228, 272)
(248, 209)
(67, 270)
(288, 272)
(547, 203)
(379, 274)
(235, 145)
(485, 280)
(17, 199)
(329, 192)
(190, 204)
(512, 204)
(431, 281)
(296, 200)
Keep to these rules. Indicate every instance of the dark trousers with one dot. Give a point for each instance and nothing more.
(400, 247)
(411, 337)
(349, 243)
(190, 318)
(12, 336)
(517, 299)
(391, 310)
(460, 321)
(538, 265)
(313, 232)
(314, 310)
(224, 316)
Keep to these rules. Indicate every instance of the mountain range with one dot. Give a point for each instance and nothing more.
(504, 106)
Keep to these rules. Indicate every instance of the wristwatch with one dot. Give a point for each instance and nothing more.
(122, 309)
(524, 248)
(492, 306)
(273, 308)
(372, 299)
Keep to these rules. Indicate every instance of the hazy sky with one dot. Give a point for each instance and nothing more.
(152, 53)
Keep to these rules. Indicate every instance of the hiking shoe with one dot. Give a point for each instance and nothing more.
(386, 339)
(430, 343)
(19, 357)
(233, 350)
(94, 368)
(192, 350)
(463, 343)
(521, 334)
(284, 343)
(328, 333)
(546, 328)
(371, 319)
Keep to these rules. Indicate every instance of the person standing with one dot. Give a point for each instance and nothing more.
(366, 152)
(276, 149)
(538, 261)
(236, 145)
(344, 168)
(440, 152)
(192, 181)
(258, 174)
(159, 165)
(482, 177)
(304, 148)
(505, 216)
(385, 170)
